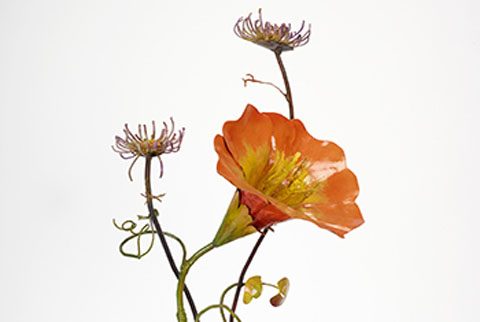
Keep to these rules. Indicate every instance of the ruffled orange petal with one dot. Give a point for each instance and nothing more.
(268, 216)
(337, 211)
(227, 166)
(251, 130)
(334, 206)
(326, 157)
(341, 187)
(338, 218)
(284, 133)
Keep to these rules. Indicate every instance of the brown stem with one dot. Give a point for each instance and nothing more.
(288, 96)
(156, 223)
(244, 270)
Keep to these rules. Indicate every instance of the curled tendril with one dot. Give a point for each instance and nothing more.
(221, 307)
(182, 245)
(222, 298)
(130, 226)
(251, 78)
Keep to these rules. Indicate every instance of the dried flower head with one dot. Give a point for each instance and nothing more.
(143, 145)
(272, 36)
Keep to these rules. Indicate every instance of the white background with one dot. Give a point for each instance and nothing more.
(395, 83)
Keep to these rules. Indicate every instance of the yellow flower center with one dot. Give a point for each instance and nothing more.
(285, 178)
(146, 147)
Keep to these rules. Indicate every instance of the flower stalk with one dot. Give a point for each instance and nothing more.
(161, 235)
(244, 270)
(289, 99)
(288, 94)
(181, 315)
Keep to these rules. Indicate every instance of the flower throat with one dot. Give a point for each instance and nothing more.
(288, 180)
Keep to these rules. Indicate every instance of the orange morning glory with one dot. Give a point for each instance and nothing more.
(282, 172)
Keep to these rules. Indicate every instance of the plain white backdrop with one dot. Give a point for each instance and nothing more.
(395, 83)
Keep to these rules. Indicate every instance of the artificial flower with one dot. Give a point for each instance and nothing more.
(282, 172)
(275, 37)
(144, 145)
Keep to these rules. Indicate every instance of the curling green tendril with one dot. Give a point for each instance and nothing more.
(184, 249)
(130, 226)
(221, 307)
(222, 298)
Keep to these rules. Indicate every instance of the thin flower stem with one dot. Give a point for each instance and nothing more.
(156, 223)
(288, 96)
(181, 316)
(244, 270)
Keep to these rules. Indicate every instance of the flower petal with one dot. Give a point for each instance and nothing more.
(335, 210)
(338, 218)
(341, 187)
(253, 289)
(227, 166)
(284, 133)
(264, 214)
(252, 129)
(326, 157)
(283, 287)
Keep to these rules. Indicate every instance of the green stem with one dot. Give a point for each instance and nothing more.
(156, 224)
(181, 316)
(221, 306)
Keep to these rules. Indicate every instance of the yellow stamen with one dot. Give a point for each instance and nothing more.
(288, 179)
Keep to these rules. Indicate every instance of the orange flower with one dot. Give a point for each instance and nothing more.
(282, 172)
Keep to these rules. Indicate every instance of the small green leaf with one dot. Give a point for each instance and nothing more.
(253, 289)
(283, 286)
